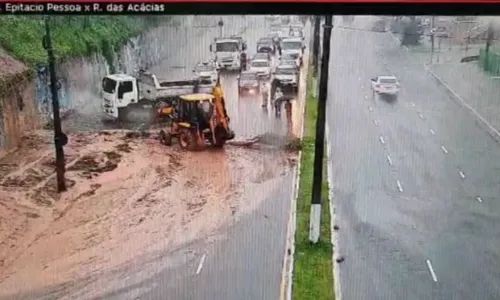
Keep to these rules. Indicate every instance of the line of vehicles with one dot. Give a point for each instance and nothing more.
(194, 109)
(272, 70)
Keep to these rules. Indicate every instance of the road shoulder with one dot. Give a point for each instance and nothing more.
(312, 268)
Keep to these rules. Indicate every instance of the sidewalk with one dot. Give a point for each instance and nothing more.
(475, 89)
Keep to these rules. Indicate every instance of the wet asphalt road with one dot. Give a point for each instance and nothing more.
(247, 263)
(392, 238)
(242, 261)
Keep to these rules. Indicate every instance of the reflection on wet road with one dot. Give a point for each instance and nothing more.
(408, 178)
(219, 234)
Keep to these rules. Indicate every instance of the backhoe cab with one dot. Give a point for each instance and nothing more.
(196, 119)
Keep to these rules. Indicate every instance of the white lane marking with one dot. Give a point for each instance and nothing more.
(370, 108)
(200, 266)
(479, 199)
(421, 115)
(362, 86)
(389, 160)
(413, 104)
(381, 140)
(490, 127)
(432, 132)
(444, 149)
(400, 188)
(359, 78)
(429, 265)
(375, 122)
(366, 97)
(461, 174)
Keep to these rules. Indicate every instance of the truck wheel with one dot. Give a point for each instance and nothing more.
(123, 114)
(165, 138)
(187, 140)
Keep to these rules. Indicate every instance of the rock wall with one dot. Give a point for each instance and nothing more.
(80, 81)
(80, 78)
(18, 108)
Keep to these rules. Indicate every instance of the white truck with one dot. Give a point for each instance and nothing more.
(227, 52)
(126, 97)
(293, 47)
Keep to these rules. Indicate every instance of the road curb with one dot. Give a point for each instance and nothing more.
(334, 239)
(334, 236)
(492, 131)
(289, 258)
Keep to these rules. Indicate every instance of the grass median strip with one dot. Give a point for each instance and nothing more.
(313, 276)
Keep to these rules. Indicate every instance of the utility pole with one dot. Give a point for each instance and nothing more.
(315, 218)
(315, 56)
(60, 139)
(432, 32)
(489, 39)
(221, 26)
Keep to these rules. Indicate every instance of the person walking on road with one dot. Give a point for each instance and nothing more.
(265, 94)
(243, 61)
(277, 99)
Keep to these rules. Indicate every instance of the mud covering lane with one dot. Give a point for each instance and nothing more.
(142, 220)
(125, 194)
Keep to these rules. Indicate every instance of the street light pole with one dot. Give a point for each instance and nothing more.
(432, 31)
(489, 39)
(221, 25)
(315, 57)
(315, 218)
(60, 139)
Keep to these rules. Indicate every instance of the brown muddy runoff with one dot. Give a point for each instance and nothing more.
(127, 196)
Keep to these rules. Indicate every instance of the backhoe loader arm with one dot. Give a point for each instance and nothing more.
(220, 106)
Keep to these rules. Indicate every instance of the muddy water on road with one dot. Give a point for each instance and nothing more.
(127, 197)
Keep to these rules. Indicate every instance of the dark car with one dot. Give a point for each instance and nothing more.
(248, 83)
(275, 35)
(266, 45)
(286, 75)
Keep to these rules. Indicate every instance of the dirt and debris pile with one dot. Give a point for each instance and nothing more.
(270, 140)
(125, 191)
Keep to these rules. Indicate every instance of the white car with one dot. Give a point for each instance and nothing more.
(385, 85)
(206, 70)
(262, 67)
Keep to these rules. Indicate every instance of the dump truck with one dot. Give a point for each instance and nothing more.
(129, 98)
(227, 52)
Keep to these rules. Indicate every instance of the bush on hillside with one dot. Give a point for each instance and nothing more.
(73, 36)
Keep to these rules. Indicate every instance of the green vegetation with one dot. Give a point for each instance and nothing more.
(313, 276)
(72, 36)
(490, 62)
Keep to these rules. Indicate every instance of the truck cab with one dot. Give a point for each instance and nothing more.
(227, 52)
(293, 47)
(118, 90)
(124, 95)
